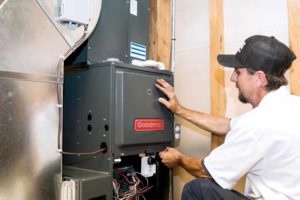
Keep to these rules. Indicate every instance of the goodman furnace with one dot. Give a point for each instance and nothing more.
(114, 106)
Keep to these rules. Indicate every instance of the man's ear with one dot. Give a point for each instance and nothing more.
(260, 79)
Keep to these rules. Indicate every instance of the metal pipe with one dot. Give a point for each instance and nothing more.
(173, 36)
(2, 2)
(60, 73)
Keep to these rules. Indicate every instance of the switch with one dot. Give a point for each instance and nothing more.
(147, 170)
(177, 131)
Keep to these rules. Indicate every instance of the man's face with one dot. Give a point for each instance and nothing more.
(244, 82)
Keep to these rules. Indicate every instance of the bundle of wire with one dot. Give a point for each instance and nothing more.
(128, 186)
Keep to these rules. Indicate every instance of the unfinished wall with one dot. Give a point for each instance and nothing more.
(192, 79)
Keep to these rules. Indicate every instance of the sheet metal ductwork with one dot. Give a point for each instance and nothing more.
(33, 47)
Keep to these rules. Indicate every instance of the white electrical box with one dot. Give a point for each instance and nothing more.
(146, 169)
(75, 11)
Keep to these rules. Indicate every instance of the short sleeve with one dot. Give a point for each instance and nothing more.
(241, 150)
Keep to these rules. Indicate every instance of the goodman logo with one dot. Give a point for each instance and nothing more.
(148, 125)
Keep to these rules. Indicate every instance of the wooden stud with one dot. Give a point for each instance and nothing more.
(294, 35)
(160, 31)
(218, 97)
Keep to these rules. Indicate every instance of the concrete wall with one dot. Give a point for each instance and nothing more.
(192, 70)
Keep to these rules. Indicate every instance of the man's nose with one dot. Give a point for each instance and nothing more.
(233, 77)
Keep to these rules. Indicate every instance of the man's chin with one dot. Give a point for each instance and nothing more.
(243, 99)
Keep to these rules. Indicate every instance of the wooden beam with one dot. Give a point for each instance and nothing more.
(294, 35)
(218, 97)
(160, 31)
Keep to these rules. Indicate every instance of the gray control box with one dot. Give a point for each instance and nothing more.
(90, 185)
(122, 32)
(123, 29)
(114, 105)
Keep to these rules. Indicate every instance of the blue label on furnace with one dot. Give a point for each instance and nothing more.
(138, 51)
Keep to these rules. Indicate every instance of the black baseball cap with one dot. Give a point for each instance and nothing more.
(261, 53)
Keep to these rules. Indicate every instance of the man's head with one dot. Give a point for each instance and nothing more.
(264, 57)
(261, 53)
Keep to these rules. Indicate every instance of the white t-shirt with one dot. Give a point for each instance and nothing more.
(264, 143)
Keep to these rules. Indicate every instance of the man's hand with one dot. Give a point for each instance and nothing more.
(173, 158)
(170, 157)
(172, 102)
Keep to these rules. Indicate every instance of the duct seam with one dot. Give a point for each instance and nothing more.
(31, 77)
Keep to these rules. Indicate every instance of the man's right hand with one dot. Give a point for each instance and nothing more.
(173, 158)
(172, 102)
(170, 157)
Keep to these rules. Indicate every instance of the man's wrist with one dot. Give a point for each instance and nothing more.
(178, 110)
(180, 159)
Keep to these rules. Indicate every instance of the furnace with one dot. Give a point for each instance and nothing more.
(115, 106)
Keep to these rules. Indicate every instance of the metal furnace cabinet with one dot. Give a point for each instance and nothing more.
(115, 106)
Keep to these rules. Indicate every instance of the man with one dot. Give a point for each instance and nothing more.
(263, 144)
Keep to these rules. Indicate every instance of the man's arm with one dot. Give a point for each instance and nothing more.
(217, 125)
(172, 158)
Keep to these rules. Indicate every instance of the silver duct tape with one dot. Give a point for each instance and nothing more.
(31, 77)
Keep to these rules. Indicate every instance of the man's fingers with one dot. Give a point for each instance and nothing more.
(164, 90)
(164, 102)
(163, 83)
(163, 87)
(159, 86)
(161, 154)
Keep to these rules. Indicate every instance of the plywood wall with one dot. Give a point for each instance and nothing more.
(294, 36)
(160, 31)
(217, 88)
